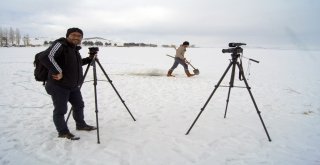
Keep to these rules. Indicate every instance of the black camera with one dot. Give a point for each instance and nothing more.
(233, 50)
(93, 50)
(236, 48)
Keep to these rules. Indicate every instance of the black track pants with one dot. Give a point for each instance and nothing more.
(60, 97)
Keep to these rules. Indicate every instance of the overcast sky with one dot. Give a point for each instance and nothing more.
(201, 22)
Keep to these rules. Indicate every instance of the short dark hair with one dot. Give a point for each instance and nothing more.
(74, 29)
(185, 43)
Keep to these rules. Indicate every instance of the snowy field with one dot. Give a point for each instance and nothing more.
(285, 85)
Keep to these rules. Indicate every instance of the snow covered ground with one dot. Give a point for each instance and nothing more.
(285, 85)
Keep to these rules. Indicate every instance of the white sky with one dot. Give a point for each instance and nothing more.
(201, 22)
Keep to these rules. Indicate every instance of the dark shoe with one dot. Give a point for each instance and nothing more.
(68, 136)
(189, 74)
(169, 74)
(86, 128)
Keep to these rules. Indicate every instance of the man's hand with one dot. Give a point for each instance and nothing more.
(186, 61)
(57, 76)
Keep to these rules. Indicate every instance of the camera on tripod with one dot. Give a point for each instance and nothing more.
(93, 50)
(236, 49)
(236, 62)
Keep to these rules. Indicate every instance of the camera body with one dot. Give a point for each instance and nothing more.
(93, 50)
(235, 48)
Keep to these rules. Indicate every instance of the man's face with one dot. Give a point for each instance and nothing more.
(75, 38)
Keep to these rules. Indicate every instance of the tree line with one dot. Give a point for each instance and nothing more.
(85, 43)
(99, 43)
(13, 37)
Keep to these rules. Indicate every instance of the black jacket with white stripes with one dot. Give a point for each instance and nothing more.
(63, 57)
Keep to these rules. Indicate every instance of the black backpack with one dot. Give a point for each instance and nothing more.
(40, 71)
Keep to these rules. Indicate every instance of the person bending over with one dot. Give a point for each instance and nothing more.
(180, 59)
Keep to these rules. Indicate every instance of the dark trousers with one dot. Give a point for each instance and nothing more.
(60, 97)
(178, 61)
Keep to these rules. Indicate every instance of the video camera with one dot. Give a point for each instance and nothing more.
(235, 48)
(93, 50)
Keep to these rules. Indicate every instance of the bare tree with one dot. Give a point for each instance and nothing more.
(26, 40)
(18, 36)
(11, 36)
(5, 37)
(1, 35)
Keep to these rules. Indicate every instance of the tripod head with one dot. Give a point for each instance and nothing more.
(93, 51)
(235, 50)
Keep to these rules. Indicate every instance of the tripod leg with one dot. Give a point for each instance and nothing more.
(96, 99)
(227, 102)
(231, 83)
(85, 74)
(114, 88)
(216, 87)
(252, 98)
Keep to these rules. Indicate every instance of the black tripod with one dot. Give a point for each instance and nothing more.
(233, 63)
(93, 64)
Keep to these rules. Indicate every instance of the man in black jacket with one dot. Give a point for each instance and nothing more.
(64, 80)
